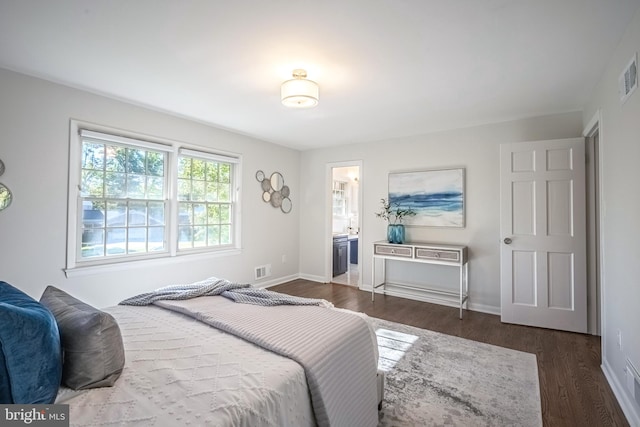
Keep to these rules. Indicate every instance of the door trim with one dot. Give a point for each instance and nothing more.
(596, 325)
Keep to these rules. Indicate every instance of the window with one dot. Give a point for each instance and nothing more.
(132, 198)
(204, 200)
(123, 198)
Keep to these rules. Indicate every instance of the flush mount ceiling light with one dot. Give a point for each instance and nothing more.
(299, 92)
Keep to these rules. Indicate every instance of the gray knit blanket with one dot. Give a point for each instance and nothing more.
(241, 293)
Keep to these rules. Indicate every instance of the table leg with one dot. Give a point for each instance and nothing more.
(373, 279)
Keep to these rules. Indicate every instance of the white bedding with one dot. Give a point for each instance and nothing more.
(335, 348)
(182, 372)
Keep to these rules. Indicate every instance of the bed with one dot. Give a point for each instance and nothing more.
(185, 366)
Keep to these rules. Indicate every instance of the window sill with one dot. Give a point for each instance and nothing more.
(86, 270)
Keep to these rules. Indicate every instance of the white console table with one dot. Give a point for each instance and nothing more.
(426, 253)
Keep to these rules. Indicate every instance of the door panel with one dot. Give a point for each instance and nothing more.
(560, 280)
(543, 233)
(523, 196)
(524, 268)
(559, 215)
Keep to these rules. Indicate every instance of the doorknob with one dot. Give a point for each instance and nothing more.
(507, 240)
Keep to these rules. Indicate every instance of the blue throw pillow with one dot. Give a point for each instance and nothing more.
(30, 350)
(5, 389)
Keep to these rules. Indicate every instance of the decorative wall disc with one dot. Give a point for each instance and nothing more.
(5, 197)
(286, 205)
(274, 191)
(276, 199)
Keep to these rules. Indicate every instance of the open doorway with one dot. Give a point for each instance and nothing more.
(345, 224)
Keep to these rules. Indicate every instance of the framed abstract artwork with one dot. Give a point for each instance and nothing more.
(437, 196)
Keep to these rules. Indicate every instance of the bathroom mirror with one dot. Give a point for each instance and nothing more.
(5, 197)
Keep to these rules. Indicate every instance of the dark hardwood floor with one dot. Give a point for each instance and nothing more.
(573, 389)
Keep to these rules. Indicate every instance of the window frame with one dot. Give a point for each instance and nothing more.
(209, 157)
(75, 264)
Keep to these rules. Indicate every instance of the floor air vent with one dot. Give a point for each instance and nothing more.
(633, 381)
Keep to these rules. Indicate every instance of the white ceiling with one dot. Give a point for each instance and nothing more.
(386, 68)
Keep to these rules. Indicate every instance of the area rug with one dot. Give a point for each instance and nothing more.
(433, 379)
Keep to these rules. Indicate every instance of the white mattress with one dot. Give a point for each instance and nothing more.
(180, 371)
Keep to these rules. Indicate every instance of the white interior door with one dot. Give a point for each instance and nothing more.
(543, 232)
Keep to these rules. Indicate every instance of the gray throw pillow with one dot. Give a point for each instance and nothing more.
(93, 353)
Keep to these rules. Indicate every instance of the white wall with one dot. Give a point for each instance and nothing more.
(620, 227)
(476, 149)
(34, 145)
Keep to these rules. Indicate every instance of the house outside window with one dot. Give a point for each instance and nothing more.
(133, 199)
(123, 193)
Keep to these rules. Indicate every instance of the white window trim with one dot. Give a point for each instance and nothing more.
(155, 146)
(77, 129)
(209, 156)
(146, 262)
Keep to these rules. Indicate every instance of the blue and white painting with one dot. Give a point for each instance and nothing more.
(437, 196)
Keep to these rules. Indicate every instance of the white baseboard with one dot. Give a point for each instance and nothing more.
(277, 281)
(489, 309)
(482, 308)
(628, 407)
(285, 279)
(313, 278)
